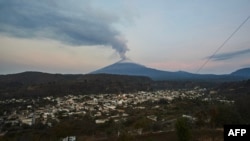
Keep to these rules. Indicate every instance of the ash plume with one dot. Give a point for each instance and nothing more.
(72, 22)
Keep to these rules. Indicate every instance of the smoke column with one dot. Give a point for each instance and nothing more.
(71, 22)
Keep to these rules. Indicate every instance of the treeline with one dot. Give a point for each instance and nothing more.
(37, 84)
(240, 93)
(59, 86)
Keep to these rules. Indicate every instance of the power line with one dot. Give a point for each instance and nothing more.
(222, 45)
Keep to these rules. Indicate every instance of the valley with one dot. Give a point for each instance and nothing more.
(132, 107)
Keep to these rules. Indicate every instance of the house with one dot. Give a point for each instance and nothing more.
(189, 117)
(152, 117)
(100, 121)
(69, 138)
(27, 121)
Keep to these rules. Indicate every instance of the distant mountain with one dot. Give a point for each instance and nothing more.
(122, 77)
(31, 77)
(124, 67)
(127, 67)
(245, 72)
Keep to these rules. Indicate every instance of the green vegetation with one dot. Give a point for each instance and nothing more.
(182, 128)
(35, 84)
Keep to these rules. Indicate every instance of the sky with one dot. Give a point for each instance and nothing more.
(81, 36)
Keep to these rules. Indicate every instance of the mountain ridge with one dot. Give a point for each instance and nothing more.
(242, 72)
(128, 67)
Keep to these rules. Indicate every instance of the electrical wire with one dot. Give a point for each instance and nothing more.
(222, 45)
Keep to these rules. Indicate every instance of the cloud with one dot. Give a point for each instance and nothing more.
(72, 22)
(229, 55)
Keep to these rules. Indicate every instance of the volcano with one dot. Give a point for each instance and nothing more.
(128, 67)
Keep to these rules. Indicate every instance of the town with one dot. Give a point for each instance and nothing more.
(102, 107)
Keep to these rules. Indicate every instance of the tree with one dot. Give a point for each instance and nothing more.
(227, 114)
(183, 129)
